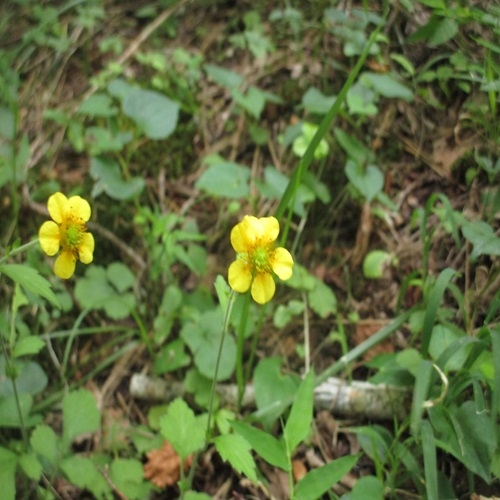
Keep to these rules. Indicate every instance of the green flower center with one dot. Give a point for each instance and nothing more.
(261, 259)
(71, 235)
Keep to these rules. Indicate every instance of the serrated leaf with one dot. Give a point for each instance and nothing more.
(234, 449)
(28, 345)
(318, 481)
(80, 415)
(264, 444)
(44, 441)
(82, 472)
(8, 464)
(127, 475)
(299, 421)
(182, 429)
(30, 280)
(154, 113)
(31, 466)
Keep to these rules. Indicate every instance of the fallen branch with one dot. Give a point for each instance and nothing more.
(342, 398)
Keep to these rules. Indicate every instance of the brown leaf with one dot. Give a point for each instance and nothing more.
(299, 469)
(163, 467)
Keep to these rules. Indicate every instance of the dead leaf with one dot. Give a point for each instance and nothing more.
(163, 467)
(299, 469)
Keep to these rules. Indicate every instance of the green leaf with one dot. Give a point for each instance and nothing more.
(367, 487)
(120, 276)
(420, 392)
(252, 102)
(194, 495)
(443, 32)
(264, 444)
(82, 472)
(222, 76)
(368, 181)
(28, 345)
(29, 375)
(98, 105)
(315, 101)
(273, 391)
(477, 438)
(234, 449)
(226, 179)
(45, 442)
(386, 85)
(375, 263)
(355, 149)
(482, 237)
(30, 280)
(430, 462)
(322, 299)
(203, 338)
(108, 179)
(31, 466)
(155, 114)
(9, 412)
(432, 305)
(80, 415)
(299, 421)
(318, 481)
(128, 476)
(171, 357)
(184, 431)
(8, 464)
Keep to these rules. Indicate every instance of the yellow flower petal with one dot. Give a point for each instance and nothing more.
(86, 248)
(50, 238)
(282, 263)
(239, 276)
(79, 208)
(243, 235)
(58, 207)
(64, 266)
(263, 288)
(270, 228)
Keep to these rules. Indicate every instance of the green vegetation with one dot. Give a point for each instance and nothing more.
(185, 356)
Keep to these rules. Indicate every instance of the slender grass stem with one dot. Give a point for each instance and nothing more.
(225, 325)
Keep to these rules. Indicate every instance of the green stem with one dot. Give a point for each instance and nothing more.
(18, 250)
(253, 347)
(240, 379)
(362, 348)
(69, 343)
(225, 325)
(143, 333)
(9, 370)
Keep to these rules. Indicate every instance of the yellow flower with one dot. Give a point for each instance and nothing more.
(67, 232)
(258, 258)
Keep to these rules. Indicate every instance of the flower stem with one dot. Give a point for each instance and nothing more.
(225, 325)
(17, 250)
(240, 379)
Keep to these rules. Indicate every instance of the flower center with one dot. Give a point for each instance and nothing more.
(71, 235)
(261, 259)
